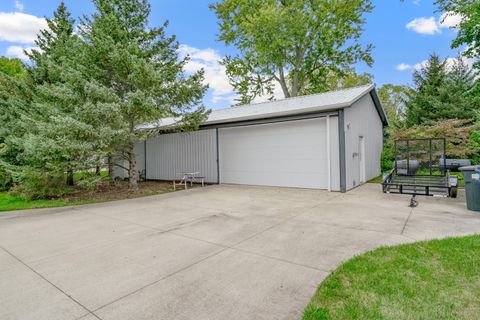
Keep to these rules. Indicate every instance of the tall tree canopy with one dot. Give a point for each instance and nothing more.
(394, 99)
(441, 91)
(48, 112)
(140, 65)
(468, 29)
(296, 44)
(468, 34)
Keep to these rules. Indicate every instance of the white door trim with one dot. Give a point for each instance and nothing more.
(362, 164)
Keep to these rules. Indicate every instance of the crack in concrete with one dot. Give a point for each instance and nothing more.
(225, 248)
(51, 283)
(406, 222)
(161, 279)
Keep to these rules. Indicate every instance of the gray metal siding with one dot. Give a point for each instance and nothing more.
(362, 119)
(170, 154)
(139, 156)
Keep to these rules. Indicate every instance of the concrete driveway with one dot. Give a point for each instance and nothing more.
(221, 252)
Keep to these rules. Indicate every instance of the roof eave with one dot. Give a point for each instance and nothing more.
(379, 107)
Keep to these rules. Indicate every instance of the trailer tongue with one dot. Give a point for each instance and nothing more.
(420, 168)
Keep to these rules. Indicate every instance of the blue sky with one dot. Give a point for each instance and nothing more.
(403, 33)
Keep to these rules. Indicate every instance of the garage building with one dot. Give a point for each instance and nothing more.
(330, 141)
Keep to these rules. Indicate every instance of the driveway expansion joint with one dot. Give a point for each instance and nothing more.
(406, 221)
(90, 312)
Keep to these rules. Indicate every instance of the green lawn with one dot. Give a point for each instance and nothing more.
(9, 202)
(426, 280)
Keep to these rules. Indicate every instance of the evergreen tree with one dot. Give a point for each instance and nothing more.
(141, 66)
(441, 92)
(56, 116)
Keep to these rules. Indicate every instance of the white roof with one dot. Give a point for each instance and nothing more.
(327, 101)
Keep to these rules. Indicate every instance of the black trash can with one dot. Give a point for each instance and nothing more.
(471, 175)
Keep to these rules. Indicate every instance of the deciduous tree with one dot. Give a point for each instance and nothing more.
(296, 44)
(12, 67)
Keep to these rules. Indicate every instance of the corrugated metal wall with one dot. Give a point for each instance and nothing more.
(170, 154)
(362, 120)
(140, 157)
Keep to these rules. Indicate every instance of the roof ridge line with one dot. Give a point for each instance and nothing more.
(298, 97)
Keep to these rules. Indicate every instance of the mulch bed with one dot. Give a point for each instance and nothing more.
(120, 191)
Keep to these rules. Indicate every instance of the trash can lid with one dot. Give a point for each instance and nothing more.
(469, 168)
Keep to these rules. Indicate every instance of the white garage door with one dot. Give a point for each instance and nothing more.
(287, 154)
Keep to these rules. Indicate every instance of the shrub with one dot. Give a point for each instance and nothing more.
(456, 132)
(387, 156)
(36, 185)
(91, 183)
(6, 180)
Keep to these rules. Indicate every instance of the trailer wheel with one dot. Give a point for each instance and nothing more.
(452, 192)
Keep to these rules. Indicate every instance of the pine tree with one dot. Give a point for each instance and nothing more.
(141, 66)
(58, 116)
(440, 92)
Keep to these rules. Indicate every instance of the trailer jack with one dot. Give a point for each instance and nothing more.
(413, 201)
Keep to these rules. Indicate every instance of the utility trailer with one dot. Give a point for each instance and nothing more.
(420, 169)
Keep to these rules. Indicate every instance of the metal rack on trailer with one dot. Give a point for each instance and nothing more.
(420, 168)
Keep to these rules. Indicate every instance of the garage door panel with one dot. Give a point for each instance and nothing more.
(290, 154)
(282, 179)
(276, 165)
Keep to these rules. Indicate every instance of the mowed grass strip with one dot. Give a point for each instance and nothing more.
(10, 202)
(437, 279)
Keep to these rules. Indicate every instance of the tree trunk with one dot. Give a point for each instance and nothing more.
(97, 170)
(132, 172)
(70, 181)
(111, 172)
(283, 83)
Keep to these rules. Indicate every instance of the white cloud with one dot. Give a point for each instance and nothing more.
(277, 94)
(416, 2)
(419, 66)
(19, 5)
(215, 73)
(403, 67)
(450, 20)
(451, 62)
(429, 26)
(432, 26)
(18, 52)
(20, 27)
(216, 76)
